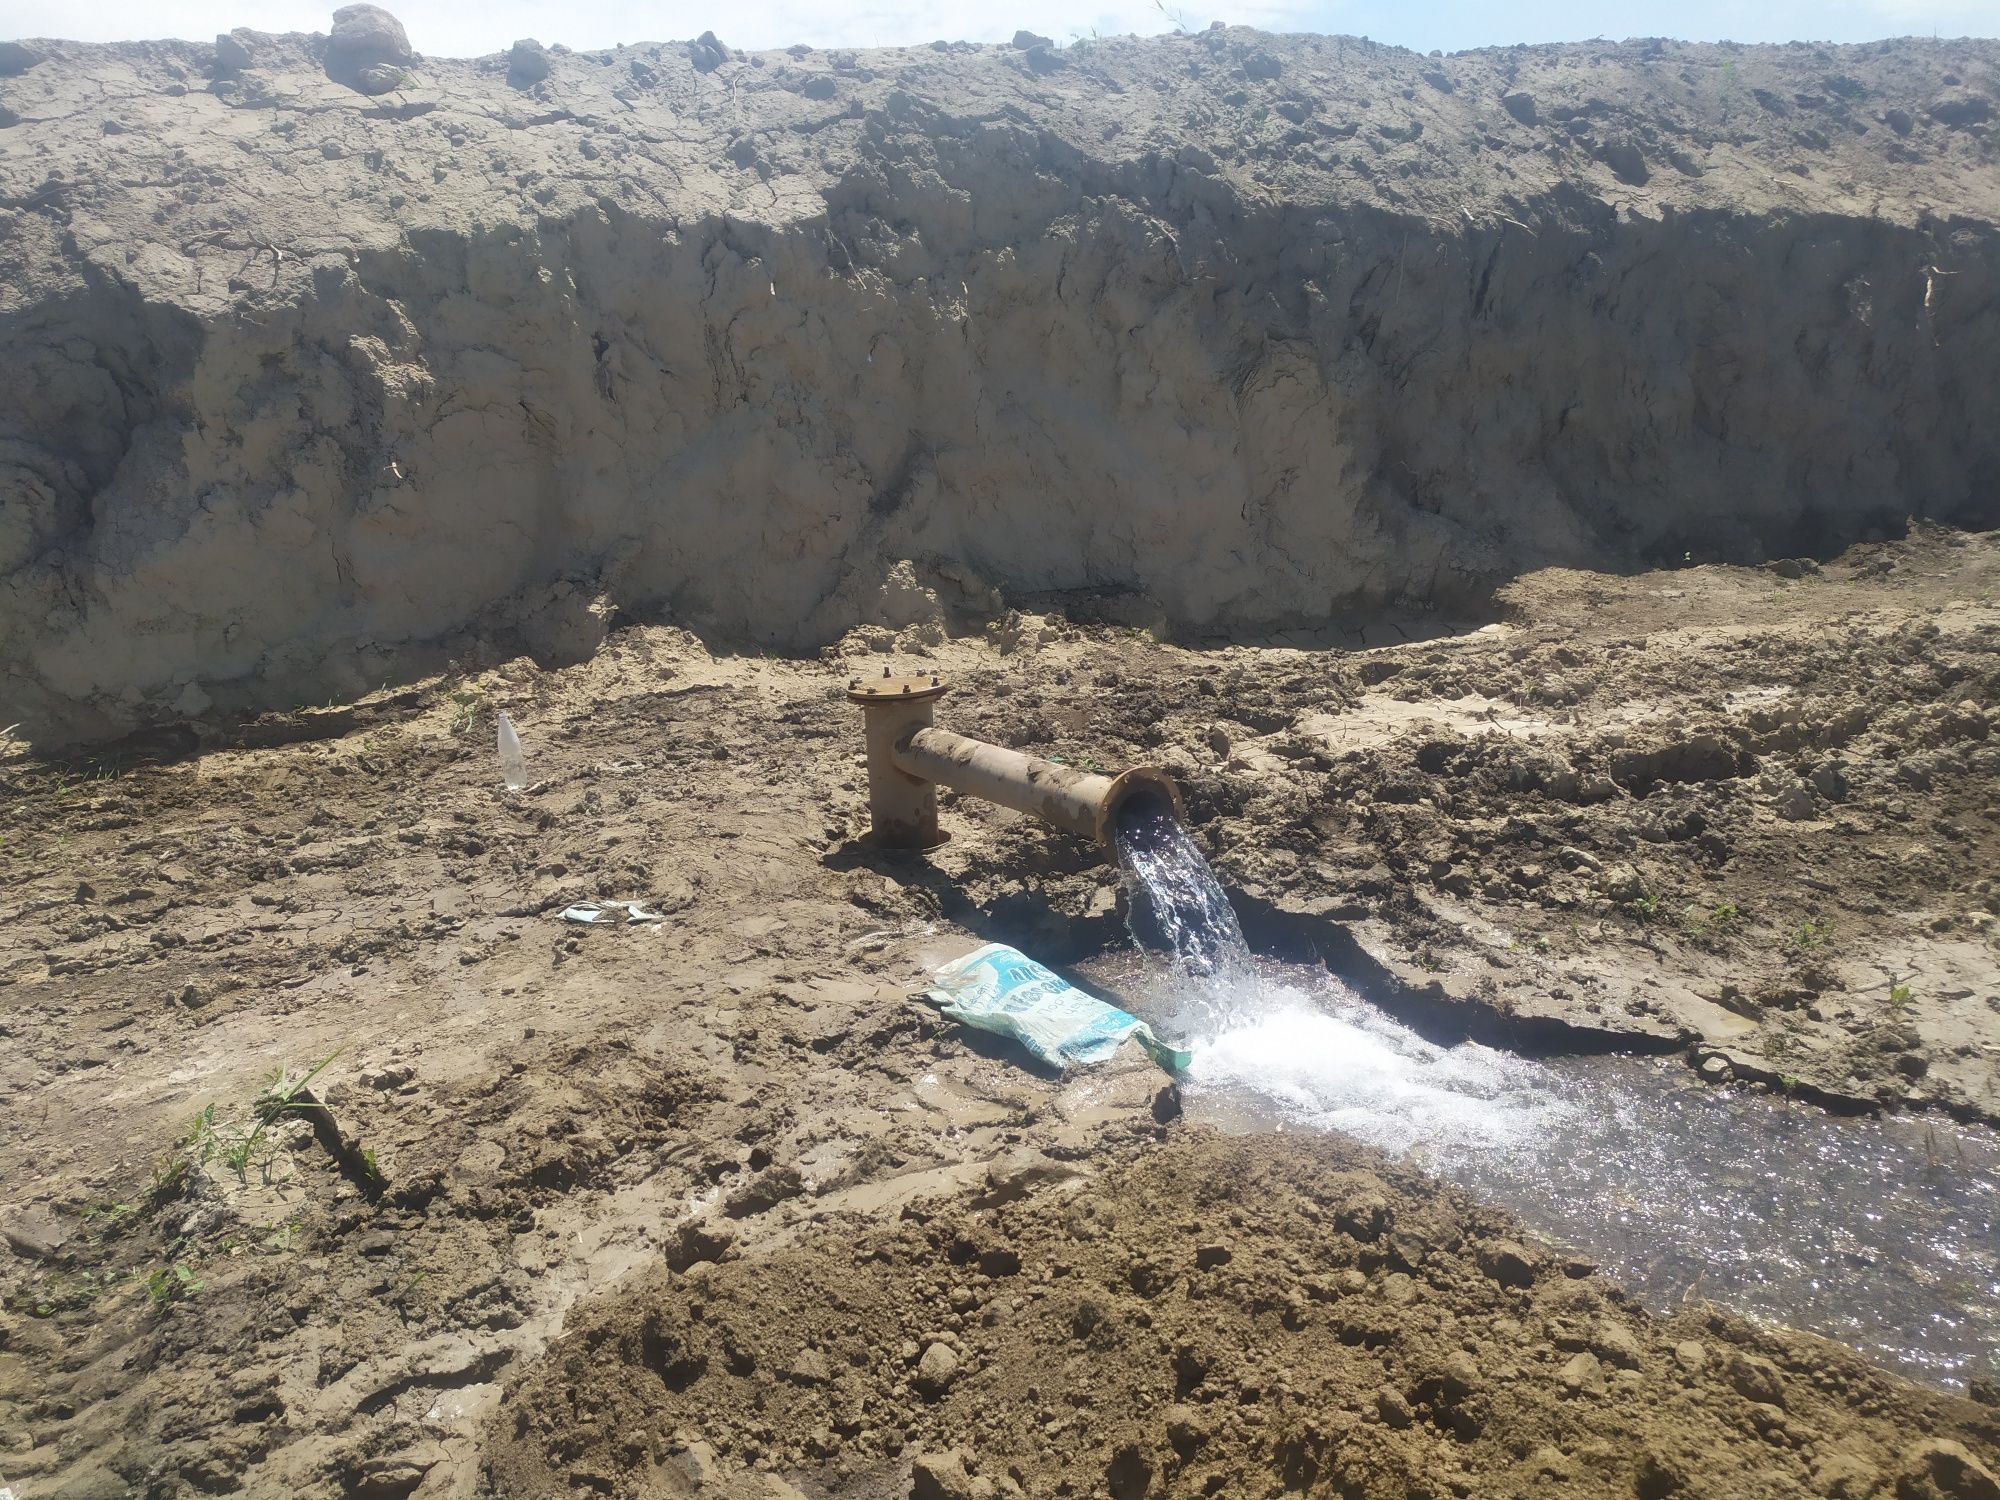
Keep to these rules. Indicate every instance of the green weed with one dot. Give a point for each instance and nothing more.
(1815, 932)
(1082, 763)
(61, 1292)
(172, 1283)
(236, 1147)
(470, 702)
(104, 1219)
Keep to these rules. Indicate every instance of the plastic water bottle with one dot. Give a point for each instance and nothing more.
(513, 764)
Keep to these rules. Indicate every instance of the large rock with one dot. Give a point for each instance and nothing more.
(365, 34)
(17, 57)
(706, 53)
(527, 62)
(233, 51)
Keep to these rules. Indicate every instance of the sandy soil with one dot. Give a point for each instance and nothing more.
(667, 1208)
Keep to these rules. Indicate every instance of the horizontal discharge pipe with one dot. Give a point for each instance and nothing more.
(909, 759)
(1079, 802)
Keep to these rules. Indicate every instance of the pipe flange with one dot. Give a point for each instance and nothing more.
(874, 692)
(1140, 781)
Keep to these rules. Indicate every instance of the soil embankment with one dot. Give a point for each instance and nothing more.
(309, 388)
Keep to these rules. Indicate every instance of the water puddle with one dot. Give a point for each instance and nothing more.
(1884, 1234)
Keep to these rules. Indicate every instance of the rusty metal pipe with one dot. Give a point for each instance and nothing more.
(909, 758)
(1079, 802)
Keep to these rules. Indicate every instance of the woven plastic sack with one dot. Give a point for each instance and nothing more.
(1002, 990)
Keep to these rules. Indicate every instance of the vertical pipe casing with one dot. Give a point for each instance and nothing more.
(902, 808)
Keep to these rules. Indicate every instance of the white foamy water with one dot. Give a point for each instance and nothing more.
(1882, 1233)
(1332, 1062)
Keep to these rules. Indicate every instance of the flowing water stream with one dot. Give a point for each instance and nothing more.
(1884, 1234)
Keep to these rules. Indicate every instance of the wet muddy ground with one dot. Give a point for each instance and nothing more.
(563, 1199)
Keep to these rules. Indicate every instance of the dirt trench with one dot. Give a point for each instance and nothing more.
(1248, 332)
(1714, 810)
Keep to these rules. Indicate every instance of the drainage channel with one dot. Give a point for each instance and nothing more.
(1883, 1234)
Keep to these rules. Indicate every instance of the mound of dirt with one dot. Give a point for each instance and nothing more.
(329, 360)
(1243, 1318)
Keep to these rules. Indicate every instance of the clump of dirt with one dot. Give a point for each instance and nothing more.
(1206, 1317)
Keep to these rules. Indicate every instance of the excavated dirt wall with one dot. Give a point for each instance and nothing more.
(307, 389)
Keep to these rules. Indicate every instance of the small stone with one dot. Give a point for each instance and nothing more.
(1521, 106)
(1187, 1427)
(936, 1371)
(1754, 1379)
(1550, 1461)
(1950, 1469)
(947, 1476)
(33, 1235)
(1690, 1355)
(1506, 1262)
(810, 1368)
(1460, 1377)
(1621, 882)
(695, 1243)
(1614, 1342)
(1365, 1216)
(763, 1192)
(1715, 1069)
(1394, 1408)
(1027, 40)
(379, 78)
(964, 1300)
(1582, 1376)
(1844, 1475)
(191, 996)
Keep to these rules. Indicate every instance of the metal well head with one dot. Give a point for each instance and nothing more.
(873, 692)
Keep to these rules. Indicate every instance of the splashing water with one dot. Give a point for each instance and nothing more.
(1175, 888)
(1882, 1233)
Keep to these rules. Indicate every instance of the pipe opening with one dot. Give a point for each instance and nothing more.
(1140, 794)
